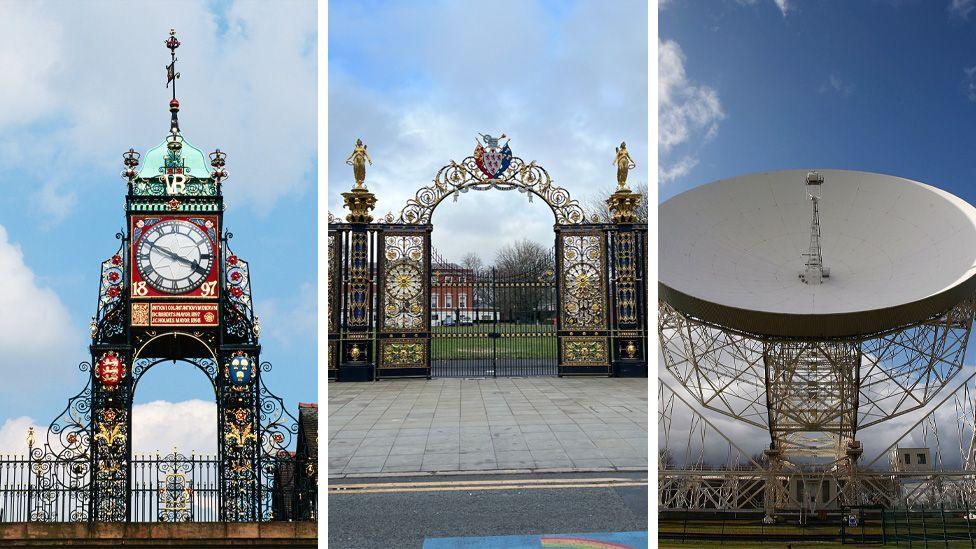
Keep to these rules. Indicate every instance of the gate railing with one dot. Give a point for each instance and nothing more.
(171, 488)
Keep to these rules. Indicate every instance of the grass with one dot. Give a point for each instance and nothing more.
(479, 346)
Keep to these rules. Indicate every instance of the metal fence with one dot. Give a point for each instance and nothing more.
(172, 488)
(496, 324)
(864, 525)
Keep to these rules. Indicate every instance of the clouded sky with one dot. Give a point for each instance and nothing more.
(417, 81)
(885, 86)
(84, 82)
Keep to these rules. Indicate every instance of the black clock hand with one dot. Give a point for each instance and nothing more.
(174, 255)
(195, 265)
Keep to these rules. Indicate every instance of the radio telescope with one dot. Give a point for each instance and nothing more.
(814, 305)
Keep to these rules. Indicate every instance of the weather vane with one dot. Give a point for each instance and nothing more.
(171, 76)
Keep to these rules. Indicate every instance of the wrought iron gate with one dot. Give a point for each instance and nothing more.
(493, 323)
(388, 316)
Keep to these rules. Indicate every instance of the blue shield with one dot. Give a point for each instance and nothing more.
(241, 370)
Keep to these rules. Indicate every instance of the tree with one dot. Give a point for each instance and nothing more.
(523, 261)
(524, 256)
(597, 204)
(472, 261)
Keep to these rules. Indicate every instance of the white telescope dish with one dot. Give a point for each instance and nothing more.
(898, 253)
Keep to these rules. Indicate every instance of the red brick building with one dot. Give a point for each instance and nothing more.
(452, 296)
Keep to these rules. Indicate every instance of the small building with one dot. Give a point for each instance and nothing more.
(295, 474)
(911, 460)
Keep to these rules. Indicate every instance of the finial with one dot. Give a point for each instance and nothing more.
(130, 159)
(30, 437)
(218, 159)
(624, 165)
(357, 159)
(171, 76)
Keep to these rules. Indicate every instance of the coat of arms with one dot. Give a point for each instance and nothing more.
(240, 370)
(491, 159)
(110, 370)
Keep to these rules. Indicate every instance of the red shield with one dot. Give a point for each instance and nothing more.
(110, 370)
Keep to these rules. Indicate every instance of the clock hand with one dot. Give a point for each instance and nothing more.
(195, 265)
(173, 255)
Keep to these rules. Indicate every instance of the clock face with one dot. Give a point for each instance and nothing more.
(174, 256)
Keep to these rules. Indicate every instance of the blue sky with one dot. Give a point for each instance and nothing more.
(565, 80)
(872, 85)
(76, 97)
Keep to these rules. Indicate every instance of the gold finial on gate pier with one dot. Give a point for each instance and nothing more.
(359, 200)
(357, 159)
(623, 202)
(624, 165)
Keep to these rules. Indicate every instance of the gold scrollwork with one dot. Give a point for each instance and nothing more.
(582, 282)
(456, 178)
(585, 351)
(404, 291)
(406, 353)
(238, 435)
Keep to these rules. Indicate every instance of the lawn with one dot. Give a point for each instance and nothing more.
(472, 342)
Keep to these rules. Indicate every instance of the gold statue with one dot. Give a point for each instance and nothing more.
(357, 159)
(624, 164)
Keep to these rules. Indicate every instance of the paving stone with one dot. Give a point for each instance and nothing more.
(504, 423)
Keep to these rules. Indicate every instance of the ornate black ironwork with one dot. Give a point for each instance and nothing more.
(380, 278)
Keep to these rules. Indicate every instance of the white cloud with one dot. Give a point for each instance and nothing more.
(783, 5)
(13, 435)
(961, 8)
(158, 426)
(688, 113)
(680, 168)
(836, 84)
(77, 96)
(190, 426)
(38, 339)
(565, 106)
(970, 83)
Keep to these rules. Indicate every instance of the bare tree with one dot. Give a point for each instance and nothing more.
(597, 204)
(523, 261)
(472, 261)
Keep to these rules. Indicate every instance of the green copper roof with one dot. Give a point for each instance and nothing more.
(194, 162)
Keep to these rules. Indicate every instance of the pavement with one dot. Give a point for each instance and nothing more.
(432, 512)
(492, 425)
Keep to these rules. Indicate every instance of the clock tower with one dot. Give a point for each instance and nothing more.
(176, 292)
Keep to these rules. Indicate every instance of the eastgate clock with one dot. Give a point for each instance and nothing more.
(174, 257)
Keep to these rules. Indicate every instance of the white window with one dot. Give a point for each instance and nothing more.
(463, 300)
(447, 300)
(433, 300)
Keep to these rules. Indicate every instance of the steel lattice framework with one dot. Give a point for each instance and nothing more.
(813, 395)
(812, 398)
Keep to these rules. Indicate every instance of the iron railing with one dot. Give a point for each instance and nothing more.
(172, 488)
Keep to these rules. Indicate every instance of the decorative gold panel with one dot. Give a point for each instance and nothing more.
(403, 353)
(582, 282)
(585, 351)
(404, 283)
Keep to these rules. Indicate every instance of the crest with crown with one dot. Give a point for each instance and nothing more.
(491, 159)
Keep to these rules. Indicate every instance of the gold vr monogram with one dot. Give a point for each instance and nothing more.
(175, 182)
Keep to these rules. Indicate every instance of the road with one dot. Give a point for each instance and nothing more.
(403, 511)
